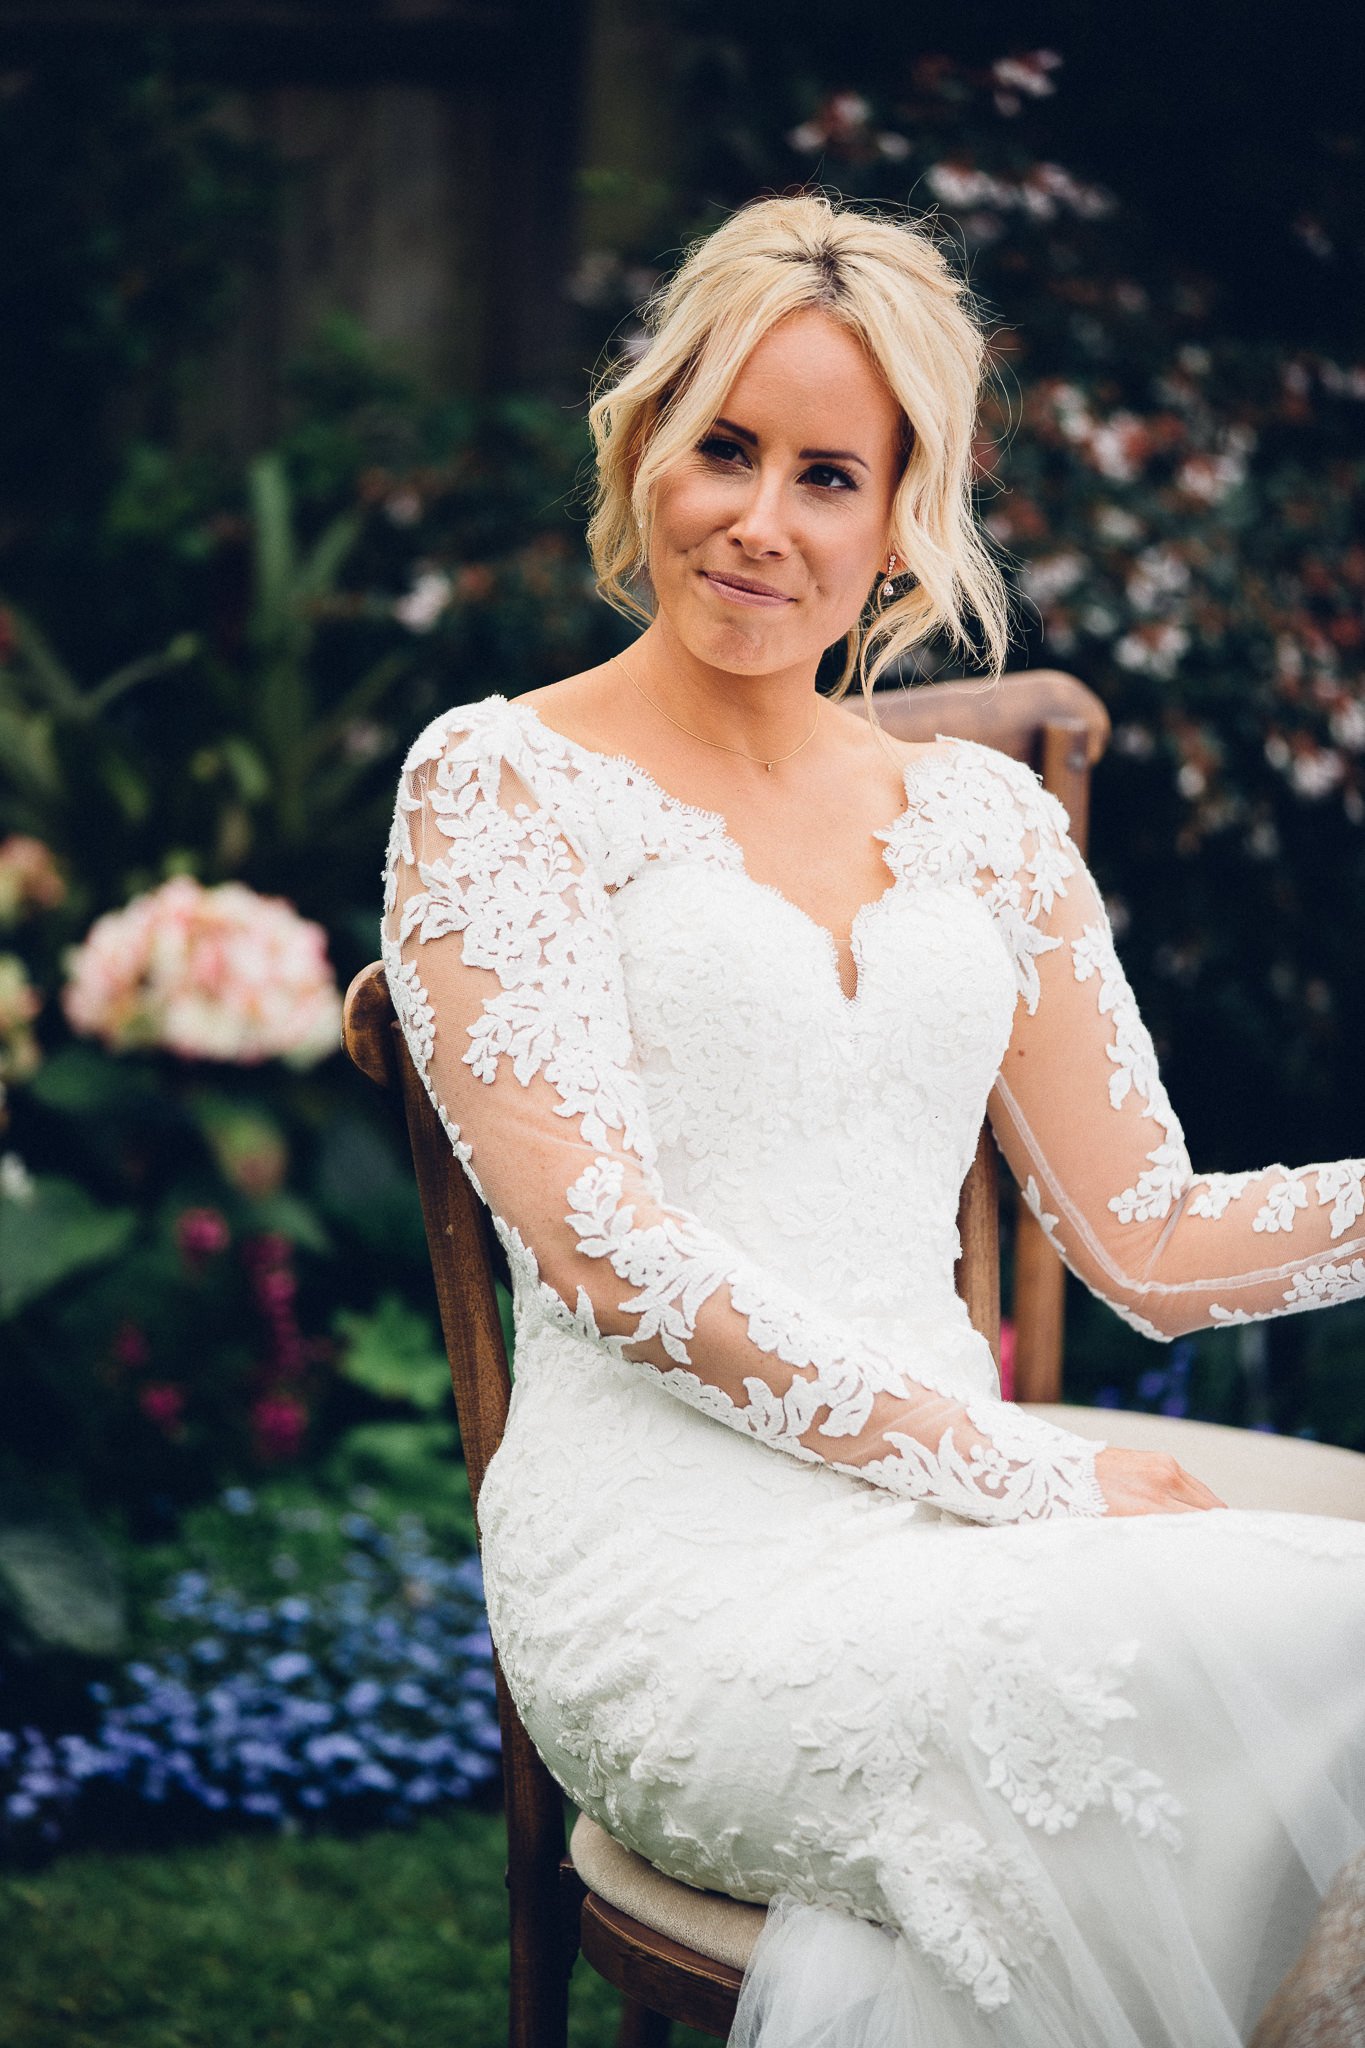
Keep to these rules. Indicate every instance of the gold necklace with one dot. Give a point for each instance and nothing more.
(720, 744)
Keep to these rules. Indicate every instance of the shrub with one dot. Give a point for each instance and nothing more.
(367, 1701)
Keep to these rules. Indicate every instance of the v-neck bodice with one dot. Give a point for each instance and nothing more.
(707, 832)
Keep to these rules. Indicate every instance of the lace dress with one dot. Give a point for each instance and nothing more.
(788, 1598)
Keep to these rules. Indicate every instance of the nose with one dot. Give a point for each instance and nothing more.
(760, 522)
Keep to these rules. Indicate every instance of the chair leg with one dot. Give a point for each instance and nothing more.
(542, 1930)
(641, 2028)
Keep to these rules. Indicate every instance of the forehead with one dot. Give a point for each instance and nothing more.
(810, 367)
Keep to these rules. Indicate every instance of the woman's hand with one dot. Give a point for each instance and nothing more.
(1149, 1483)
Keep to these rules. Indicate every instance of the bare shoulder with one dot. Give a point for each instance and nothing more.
(867, 740)
(584, 707)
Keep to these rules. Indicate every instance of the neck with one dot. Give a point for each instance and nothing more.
(759, 713)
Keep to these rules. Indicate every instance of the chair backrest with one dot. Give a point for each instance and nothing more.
(1043, 717)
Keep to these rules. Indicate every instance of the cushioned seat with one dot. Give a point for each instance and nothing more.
(1246, 1468)
(714, 1925)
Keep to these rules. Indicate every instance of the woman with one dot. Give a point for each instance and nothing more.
(711, 984)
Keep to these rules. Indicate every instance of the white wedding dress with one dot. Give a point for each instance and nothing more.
(788, 1598)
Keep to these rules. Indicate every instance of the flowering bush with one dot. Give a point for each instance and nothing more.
(165, 1309)
(219, 974)
(369, 1702)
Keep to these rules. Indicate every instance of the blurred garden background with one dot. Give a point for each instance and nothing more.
(300, 306)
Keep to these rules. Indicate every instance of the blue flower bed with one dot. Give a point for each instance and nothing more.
(368, 1703)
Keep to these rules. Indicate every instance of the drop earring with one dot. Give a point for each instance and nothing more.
(889, 588)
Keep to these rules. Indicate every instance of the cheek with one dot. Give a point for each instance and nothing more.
(845, 560)
(685, 513)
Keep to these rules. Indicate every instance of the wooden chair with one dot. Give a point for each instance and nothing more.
(677, 1953)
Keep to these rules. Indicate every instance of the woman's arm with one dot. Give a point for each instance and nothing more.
(502, 956)
(1082, 1117)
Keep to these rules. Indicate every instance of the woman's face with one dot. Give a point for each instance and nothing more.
(790, 490)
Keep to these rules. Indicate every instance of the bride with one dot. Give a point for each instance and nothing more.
(1028, 1742)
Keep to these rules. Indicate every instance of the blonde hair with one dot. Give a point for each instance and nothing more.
(891, 285)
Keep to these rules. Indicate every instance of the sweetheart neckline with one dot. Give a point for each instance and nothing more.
(716, 820)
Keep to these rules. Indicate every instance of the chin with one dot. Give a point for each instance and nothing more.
(745, 643)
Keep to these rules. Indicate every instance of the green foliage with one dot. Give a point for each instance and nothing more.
(406, 1465)
(60, 1593)
(394, 1352)
(73, 779)
(133, 214)
(263, 1942)
(52, 1233)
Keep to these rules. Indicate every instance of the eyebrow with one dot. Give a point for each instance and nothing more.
(806, 454)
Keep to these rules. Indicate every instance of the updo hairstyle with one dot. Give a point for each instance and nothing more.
(890, 284)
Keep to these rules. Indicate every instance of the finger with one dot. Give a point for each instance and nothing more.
(1195, 1490)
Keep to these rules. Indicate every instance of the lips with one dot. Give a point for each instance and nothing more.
(745, 586)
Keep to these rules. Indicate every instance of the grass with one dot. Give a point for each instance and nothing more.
(389, 1940)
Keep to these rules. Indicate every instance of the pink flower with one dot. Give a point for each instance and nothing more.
(220, 974)
(162, 1403)
(200, 1234)
(278, 1288)
(278, 1423)
(130, 1346)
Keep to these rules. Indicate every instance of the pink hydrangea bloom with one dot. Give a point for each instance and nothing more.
(218, 974)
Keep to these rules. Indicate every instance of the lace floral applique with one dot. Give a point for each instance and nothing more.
(973, 1905)
(1135, 1069)
(1342, 1183)
(1043, 1732)
(1277, 1211)
(1213, 1192)
(979, 818)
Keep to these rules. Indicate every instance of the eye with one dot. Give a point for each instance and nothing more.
(845, 481)
(716, 446)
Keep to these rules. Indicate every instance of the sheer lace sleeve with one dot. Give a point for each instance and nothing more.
(1081, 1115)
(503, 959)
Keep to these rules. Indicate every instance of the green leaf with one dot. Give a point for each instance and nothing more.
(394, 1352)
(249, 1146)
(293, 1218)
(271, 511)
(81, 1080)
(248, 770)
(59, 1590)
(180, 650)
(28, 753)
(411, 1462)
(52, 1233)
(323, 565)
(54, 680)
(127, 786)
